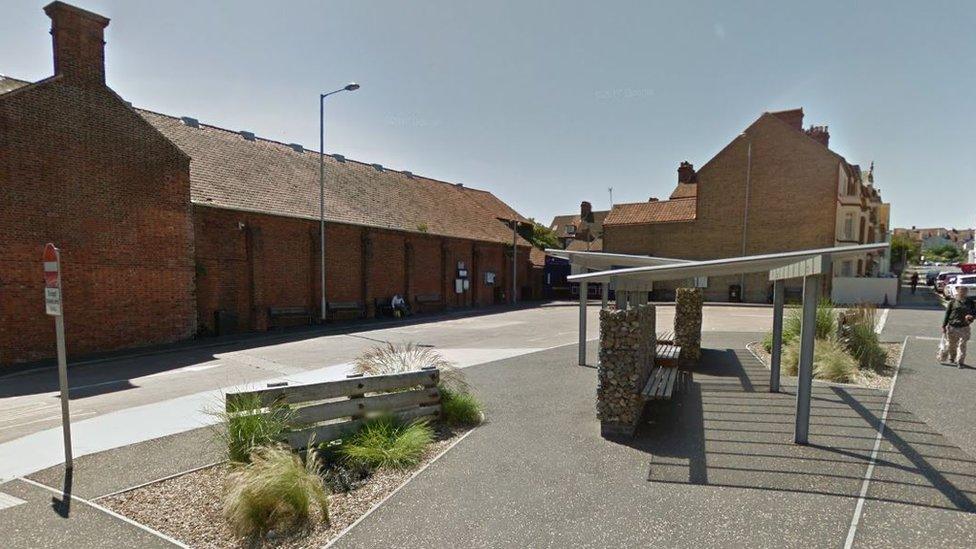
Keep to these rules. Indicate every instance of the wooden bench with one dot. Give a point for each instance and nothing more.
(276, 313)
(429, 301)
(330, 410)
(663, 383)
(335, 307)
(666, 337)
(383, 306)
(666, 354)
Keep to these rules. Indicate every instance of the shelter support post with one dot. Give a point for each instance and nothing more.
(582, 323)
(605, 295)
(808, 333)
(776, 354)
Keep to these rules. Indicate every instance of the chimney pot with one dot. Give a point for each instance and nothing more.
(79, 42)
(686, 173)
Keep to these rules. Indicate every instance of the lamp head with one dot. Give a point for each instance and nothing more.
(352, 86)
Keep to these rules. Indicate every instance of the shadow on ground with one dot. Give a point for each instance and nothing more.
(728, 430)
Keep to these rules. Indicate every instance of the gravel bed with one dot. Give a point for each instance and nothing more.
(188, 507)
(866, 378)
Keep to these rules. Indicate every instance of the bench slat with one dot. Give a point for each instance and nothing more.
(332, 389)
(661, 383)
(326, 411)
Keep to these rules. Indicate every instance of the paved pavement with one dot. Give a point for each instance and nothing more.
(717, 468)
(128, 400)
(47, 518)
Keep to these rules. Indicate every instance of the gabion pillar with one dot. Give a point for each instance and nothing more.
(688, 324)
(626, 357)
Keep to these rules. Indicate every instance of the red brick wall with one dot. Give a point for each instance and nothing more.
(80, 169)
(792, 206)
(273, 262)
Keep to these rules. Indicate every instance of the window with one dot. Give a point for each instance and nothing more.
(849, 226)
(846, 268)
(570, 229)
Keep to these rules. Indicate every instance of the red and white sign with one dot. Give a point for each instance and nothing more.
(52, 280)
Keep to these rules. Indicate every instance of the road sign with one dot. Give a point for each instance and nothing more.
(52, 280)
(52, 304)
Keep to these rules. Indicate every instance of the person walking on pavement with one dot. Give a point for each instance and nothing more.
(914, 281)
(959, 315)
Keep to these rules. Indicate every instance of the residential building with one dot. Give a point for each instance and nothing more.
(582, 231)
(170, 228)
(775, 187)
(935, 237)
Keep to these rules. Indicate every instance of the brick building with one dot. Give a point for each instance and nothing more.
(774, 188)
(164, 221)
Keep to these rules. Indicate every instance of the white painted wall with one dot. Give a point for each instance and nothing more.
(854, 290)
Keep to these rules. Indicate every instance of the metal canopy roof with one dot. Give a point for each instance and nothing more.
(678, 269)
(603, 260)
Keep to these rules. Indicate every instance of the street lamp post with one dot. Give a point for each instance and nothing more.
(352, 86)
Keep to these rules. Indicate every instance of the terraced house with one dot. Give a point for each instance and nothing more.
(170, 227)
(776, 187)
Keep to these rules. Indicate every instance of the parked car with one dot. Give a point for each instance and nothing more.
(940, 280)
(969, 281)
(930, 277)
(949, 281)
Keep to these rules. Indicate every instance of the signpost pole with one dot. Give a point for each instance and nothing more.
(63, 382)
(53, 307)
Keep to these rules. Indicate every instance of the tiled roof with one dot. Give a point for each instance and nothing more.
(685, 190)
(537, 257)
(580, 246)
(659, 211)
(229, 171)
(10, 84)
(560, 221)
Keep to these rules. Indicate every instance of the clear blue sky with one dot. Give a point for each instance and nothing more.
(549, 103)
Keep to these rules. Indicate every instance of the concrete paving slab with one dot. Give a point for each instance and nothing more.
(47, 521)
(99, 474)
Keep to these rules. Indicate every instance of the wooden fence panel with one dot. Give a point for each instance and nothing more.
(333, 389)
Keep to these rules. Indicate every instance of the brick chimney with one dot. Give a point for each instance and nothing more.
(793, 117)
(686, 173)
(819, 133)
(586, 212)
(79, 42)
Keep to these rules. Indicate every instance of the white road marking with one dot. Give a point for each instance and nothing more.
(23, 413)
(74, 416)
(7, 501)
(109, 512)
(859, 508)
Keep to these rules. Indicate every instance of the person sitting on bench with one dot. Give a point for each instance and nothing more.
(400, 307)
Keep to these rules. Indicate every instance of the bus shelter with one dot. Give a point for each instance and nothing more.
(809, 265)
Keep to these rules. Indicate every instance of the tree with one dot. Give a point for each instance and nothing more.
(946, 252)
(904, 249)
(543, 237)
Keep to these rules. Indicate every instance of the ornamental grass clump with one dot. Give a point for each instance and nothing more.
(275, 491)
(860, 339)
(830, 361)
(459, 409)
(826, 323)
(397, 359)
(385, 442)
(244, 425)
